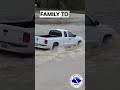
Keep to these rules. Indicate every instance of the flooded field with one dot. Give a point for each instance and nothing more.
(16, 71)
(107, 12)
(58, 65)
(103, 63)
(76, 26)
(50, 54)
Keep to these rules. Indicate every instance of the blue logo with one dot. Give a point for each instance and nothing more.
(76, 81)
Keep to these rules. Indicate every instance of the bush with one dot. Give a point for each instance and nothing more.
(62, 4)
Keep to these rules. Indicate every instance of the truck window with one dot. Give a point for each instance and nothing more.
(70, 34)
(65, 33)
(89, 21)
(56, 33)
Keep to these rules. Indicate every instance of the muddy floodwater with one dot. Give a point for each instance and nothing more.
(48, 55)
(55, 67)
(103, 63)
(76, 26)
(16, 71)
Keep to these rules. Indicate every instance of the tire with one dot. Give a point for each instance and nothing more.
(55, 45)
(107, 39)
(79, 42)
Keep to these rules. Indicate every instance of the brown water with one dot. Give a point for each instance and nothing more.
(54, 67)
(103, 58)
(16, 71)
(103, 63)
(75, 27)
(107, 56)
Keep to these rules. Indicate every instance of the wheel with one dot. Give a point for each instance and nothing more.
(107, 39)
(79, 42)
(55, 45)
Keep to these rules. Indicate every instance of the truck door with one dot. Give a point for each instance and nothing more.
(91, 31)
(65, 39)
(71, 38)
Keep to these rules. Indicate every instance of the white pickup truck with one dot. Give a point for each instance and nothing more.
(95, 33)
(56, 37)
(17, 26)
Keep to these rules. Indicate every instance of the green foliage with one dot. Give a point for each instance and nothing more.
(61, 4)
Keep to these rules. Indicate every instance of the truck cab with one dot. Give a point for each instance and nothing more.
(96, 33)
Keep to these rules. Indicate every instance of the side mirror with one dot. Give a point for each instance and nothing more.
(74, 35)
(97, 23)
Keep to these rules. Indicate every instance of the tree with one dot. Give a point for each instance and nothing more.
(47, 4)
(62, 4)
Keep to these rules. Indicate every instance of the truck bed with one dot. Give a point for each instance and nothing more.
(48, 36)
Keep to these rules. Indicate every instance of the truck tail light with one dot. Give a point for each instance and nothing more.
(45, 41)
(26, 37)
